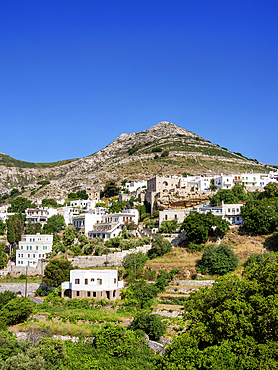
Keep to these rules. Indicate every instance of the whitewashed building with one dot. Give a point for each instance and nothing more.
(33, 248)
(173, 214)
(98, 284)
(111, 225)
(84, 222)
(40, 215)
(229, 212)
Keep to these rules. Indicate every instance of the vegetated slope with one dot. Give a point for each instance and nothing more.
(164, 149)
(6, 160)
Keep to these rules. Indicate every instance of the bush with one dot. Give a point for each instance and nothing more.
(218, 260)
(16, 310)
(152, 325)
(165, 153)
(193, 248)
(160, 246)
(134, 262)
(157, 150)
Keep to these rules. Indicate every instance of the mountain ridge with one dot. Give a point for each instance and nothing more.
(163, 149)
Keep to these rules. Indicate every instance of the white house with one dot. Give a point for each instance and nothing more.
(33, 248)
(111, 225)
(173, 214)
(93, 284)
(41, 214)
(84, 222)
(229, 212)
(134, 185)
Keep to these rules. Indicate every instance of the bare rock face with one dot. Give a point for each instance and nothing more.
(130, 156)
(180, 201)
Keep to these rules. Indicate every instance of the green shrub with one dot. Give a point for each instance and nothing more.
(218, 260)
(152, 325)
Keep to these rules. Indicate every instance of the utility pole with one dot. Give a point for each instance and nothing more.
(26, 282)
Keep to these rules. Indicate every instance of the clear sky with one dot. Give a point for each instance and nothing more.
(74, 75)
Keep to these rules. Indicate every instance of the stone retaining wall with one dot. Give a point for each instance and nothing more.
(113, 259)
(194, 282)
(19, 287)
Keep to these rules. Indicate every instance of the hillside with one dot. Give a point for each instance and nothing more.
(131, 156)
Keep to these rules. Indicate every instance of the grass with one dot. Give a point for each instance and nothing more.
(31, 279)
(185, 262)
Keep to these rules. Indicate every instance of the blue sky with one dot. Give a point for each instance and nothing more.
(74, 75)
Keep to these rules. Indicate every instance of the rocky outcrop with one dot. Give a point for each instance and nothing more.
(116, 161)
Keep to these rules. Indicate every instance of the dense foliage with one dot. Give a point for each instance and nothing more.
(261, 216)
(54, 224)
(150, 324)
(160, 246)
(168, 227)
(231, 196)
(218, 260)
(56, 272)
(110, 189)
(20, 204)
(232, 325)
(199, 227)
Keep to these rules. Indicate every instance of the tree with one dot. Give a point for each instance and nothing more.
(117, 341)
(111, 189)
(168, 227)
(20, 204)
(16, 310)
(2, 227)
(261, 216)
(56, 272)
(68, 236)
(134, 262)
(218, 260)
(11, 234)
(231, 196)
(231, 325)
(160, 246)
(199, 227)
(165, 153)
(152, 325)
(54, 224)
(3, 255)
(139, 294)
(49, 202)
(117, 206)
(33, 228)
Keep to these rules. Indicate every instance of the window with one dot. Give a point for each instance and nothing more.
(30, 248)
(88, 294)
(77, 281)
(86, 281)
(92, 279)
(37, 248)
(18, 263)
(22, 255)
(27, 248)
(21, 247)
(43, 256)
(229, 210)
(99, 281)
(77, 293)
(28, 255)
(94, 294)
(39, 256)
(115, 281)
(34, 255)
(33, 239)
(30, 239)
(22, 262)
